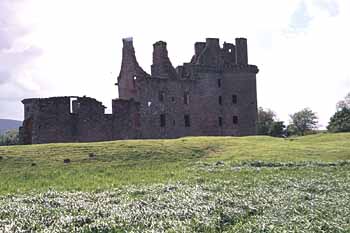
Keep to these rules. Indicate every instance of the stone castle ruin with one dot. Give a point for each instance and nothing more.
(213, 94)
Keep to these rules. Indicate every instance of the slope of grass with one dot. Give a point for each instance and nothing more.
(195, 184)
(116, 163)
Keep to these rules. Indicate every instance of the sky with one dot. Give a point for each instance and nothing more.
(73, 47)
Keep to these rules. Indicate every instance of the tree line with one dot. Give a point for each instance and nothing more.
(303, 122)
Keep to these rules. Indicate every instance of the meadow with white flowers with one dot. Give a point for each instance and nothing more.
(250, 184)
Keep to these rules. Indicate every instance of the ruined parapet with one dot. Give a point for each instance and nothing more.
(210, 55)
(87, 106)
(64, 119)
(161, 67)
(241, 51)
(229, 53)
(198, 49)
(130, 72)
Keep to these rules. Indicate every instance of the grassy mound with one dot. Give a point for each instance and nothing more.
(194, 184)
(103, 165)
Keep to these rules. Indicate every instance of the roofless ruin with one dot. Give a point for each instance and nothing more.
(213, 94)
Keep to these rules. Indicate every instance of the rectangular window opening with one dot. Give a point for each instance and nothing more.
(220, 121)
(234, 99)
(220, 100)
(235, 120)
(187, 121)
(162, 120)
(74, 105)
(186, 98)
(161, 96)
(134, 81)
(219, 82)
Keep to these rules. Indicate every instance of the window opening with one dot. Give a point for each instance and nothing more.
(186, 98)
(134, 81)
(235, 120)
(219, 82)
(220, 121)
(161, 96)
(162, 120)
(234, 99)
(187, 121)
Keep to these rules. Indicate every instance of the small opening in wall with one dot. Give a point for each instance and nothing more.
(161, 96)
(149, 103)
(134, 81)
(162, 120)
(174, 122)
(234, 99)
(220, 121)
(173, 99)
(74, 105)
(220, 100)
(187, 121)
(186, 98)
(235, 120)
(219, 82)
(229, 50)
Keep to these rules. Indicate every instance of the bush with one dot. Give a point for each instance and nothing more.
(9, 138)
(340, 121)
(268, 124)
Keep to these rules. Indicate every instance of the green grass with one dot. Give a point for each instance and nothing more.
(117, 163)
(193, 184)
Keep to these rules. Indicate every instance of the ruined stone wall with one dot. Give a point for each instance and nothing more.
(126, 119)
(50, 120)
(92, 124)
(213, 94)
(59, 119)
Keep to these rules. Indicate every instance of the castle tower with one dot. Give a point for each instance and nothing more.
(162, 67)
(130, 72)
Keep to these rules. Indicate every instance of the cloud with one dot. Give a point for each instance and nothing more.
(330, 6)
(16, 57)
(300, 19)
(9, 30)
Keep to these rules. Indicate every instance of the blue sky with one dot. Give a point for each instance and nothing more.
(66, 47)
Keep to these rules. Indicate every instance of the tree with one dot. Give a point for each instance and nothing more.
(268, 124)
(277, 129)
(9, 138)
(303, 121)
(340, 121)
(265, 119)
(344, 103)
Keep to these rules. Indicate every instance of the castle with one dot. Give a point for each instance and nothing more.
(213, 94)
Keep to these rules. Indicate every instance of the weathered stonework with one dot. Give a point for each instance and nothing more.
(213, 94)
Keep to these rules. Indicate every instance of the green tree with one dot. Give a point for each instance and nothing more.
(303, 121)
(265, 119)
(344, 103)
(277, 129)
(9, 138)
(340, 121)
(268, 124)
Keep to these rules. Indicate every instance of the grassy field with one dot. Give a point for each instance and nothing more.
(208, 184)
